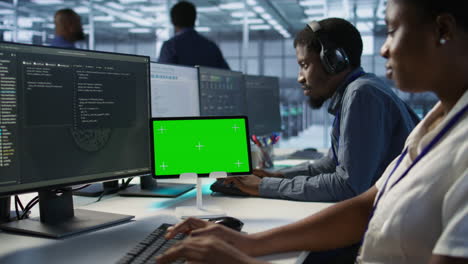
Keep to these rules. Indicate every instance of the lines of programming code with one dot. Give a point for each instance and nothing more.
(78, 94)
(96, 100)
(8, 119)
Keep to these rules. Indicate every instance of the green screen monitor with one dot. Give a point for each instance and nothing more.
(200, 145)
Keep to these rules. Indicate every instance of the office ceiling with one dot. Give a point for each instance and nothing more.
(278, 17)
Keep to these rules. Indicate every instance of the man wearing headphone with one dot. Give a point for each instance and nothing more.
(370, 127)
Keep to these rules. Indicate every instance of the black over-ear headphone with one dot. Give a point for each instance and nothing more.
(334, 59)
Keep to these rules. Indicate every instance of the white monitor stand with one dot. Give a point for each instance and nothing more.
(200, 211)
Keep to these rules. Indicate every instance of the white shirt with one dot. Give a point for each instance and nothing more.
(427, 211)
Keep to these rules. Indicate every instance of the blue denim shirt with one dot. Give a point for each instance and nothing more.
(190, 48)
(60, 42)
(374, 123)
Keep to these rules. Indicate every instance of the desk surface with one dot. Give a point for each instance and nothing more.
(110, 244)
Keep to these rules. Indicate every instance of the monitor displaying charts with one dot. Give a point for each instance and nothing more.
(200, 145)
(222, 92)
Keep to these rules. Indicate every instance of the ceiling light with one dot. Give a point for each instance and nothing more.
(115, 6)
(47, 2)
(104, 18)
(124, 16)
(273, 22)
(139, 30)
(260, 27)
(251, 2)
(242, 14)
(6, 12)
(278, 27)
(122, 25)
(154, 9)
(311, 12)
(311, 2)
(131, 1)
(232, 6)
(266, 16)
(249, 21)
(203, 29)
(286, 35)
(367, 13)
(81, 9)
(208, 9)
(135, 13)
(259, 9)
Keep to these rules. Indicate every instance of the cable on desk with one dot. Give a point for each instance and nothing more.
(81, 187)
(28, 207)
(125, 183)
(18, 202)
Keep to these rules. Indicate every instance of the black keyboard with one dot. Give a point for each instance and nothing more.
(153, 245)
(229, 189)
(307, 154)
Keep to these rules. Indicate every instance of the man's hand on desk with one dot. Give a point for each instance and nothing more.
(248, 184)
(264, 173)
(208, 243)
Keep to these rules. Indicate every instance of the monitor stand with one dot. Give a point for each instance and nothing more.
(58, 218)
(5, 213)
(200, 211)
(97, 189)
(149, 187)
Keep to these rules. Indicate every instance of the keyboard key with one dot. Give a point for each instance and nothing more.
(153, 245)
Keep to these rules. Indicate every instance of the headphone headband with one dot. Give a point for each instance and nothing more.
(334, 59)
(314, 26)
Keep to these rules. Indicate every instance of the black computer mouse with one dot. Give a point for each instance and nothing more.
(228, 221)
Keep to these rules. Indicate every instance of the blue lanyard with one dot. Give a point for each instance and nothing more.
(426, 150)
(336, 122)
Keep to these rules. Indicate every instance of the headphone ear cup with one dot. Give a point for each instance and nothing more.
(334, 60)
(326, 62)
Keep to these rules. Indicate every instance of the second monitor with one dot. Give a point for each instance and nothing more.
(263, 104)
(222, 92)
(174, 92)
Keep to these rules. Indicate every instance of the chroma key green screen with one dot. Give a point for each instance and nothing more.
(200, 145)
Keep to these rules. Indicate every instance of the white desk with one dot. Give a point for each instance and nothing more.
(110, 244)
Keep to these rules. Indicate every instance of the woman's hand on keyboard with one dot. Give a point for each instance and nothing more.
(200, 228)
(206, 249)
(187, 226)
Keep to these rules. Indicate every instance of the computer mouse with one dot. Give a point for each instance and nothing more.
(311, 149)
(228, 221)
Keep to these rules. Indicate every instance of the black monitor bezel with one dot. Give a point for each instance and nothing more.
(197, 118)
(53, 184)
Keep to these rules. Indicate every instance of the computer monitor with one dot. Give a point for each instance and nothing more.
(200, 145)
(70, 117)
(263, 104)
(174, 92)
(222, 92)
